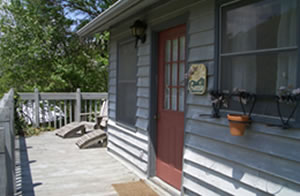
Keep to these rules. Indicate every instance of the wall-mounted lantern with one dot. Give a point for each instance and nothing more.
(138, 30)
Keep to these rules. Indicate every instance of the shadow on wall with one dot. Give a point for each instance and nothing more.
(24, 184)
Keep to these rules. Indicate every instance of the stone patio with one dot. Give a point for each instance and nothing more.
(52, 166)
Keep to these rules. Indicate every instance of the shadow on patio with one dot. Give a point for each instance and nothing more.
(24, 185)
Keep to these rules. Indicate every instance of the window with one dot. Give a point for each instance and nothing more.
(174, 73)
(126, 79)
(258, 49)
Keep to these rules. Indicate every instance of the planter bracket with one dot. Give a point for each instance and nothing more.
(247, 97)
(293, 99)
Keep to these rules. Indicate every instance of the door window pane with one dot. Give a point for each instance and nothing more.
(182, 48)
(168, 51)
(174, 98)
(167, 74)
(261, 25)
(181, 74)
(167, 84)
(181, 99)
(175, 50)
(174, 74)
(167, 98)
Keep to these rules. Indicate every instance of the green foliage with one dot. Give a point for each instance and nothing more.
(20, 124)
(39, 50)
(21, 127)
(31, 131)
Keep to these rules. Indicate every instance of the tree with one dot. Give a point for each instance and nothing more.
(87, 9)
(91, 8)
(38, 48)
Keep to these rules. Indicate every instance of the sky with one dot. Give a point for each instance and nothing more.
(74, 16)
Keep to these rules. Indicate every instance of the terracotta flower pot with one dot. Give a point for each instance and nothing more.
(238, 123)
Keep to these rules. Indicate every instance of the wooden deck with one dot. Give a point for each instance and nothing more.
(52, 166)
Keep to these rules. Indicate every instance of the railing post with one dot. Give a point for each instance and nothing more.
(3, 169)
(6, 144)
(37, 107)
(78, 105)
(12, 137)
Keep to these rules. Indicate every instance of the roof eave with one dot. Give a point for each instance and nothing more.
(117, 12)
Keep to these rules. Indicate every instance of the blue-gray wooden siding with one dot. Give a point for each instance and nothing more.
(266, 161)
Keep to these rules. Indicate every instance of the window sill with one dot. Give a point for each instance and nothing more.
(270, 121)
(258, 125)
(125, 126)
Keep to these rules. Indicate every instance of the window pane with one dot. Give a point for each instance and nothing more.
(263, 107)
(261, 25)
(181, 74)
(260, 74)
(174, 98)
(126, 91)
(174, 74)
(181, 99)
(175, 50)
(167, 74)
(127, 62)
(167, 83)
(168, 51)
(182, 48)
(167, 98)
(126, 110)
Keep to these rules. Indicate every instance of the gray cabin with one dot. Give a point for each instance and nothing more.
(178, 68)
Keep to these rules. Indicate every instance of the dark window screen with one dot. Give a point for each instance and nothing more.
(126, 95)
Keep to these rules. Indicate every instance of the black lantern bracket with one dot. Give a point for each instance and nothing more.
(138, 30)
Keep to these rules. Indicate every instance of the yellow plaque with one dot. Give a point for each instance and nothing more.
(197, 79)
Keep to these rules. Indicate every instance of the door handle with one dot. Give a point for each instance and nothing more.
(156, 117)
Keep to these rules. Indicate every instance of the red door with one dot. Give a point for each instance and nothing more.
(170, 123)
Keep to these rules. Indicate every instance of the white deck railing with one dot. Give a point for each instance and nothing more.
(7, 145)
(58, 109)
